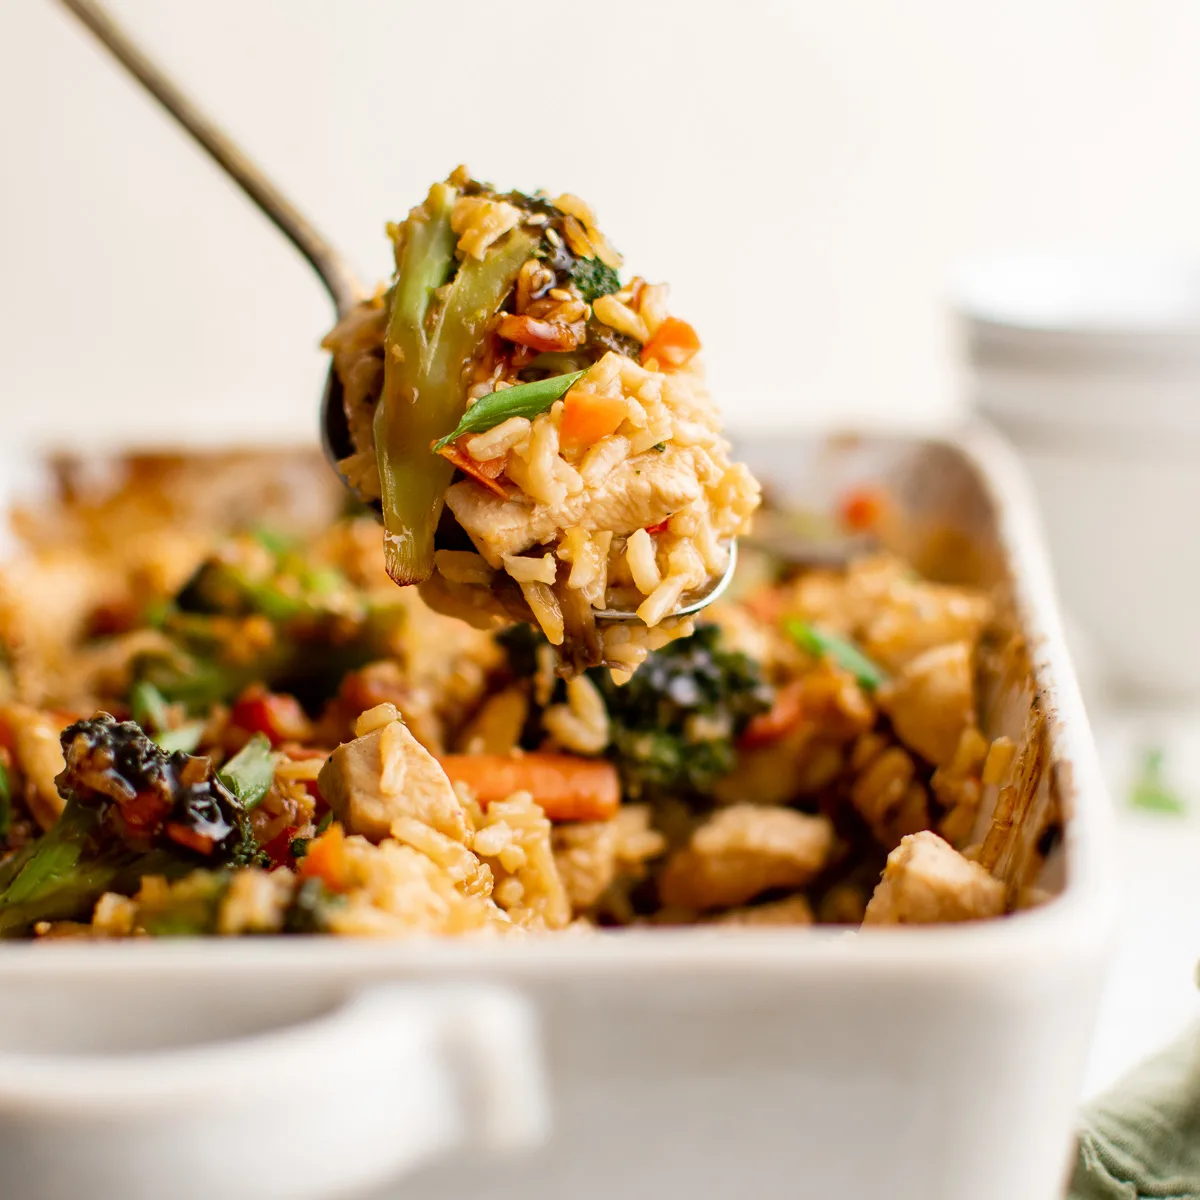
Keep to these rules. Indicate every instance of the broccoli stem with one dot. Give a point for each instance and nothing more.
(54, 879)
(434, 331)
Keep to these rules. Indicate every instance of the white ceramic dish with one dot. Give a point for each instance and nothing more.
(917, 1064)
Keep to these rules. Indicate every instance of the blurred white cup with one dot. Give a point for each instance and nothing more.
(1091, 366)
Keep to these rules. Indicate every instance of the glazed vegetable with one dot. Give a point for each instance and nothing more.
(780, 719)
(673, 345)
(248, 774)
(844, 653)
(325, 859)
(246, 617)
(587, 418)
(438, 318)
(486, 473)
(132, 810)
(568, 788)
(594, 279)
(149, 710)
(191, 906)
(674, 726)
(523, 400)
(676, 723)
(6, 798)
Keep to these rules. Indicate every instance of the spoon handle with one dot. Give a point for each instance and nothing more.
(334, 271)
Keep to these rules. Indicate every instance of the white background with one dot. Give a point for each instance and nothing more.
(806, 174)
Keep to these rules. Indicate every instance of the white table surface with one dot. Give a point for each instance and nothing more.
(1152, 991)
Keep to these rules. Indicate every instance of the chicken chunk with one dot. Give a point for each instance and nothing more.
(932, 701)
(641, 492)
(745, 850)
(913, 616)
(385, 775)
(927, 881)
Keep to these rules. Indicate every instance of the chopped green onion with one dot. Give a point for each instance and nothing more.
(186, 737)
(325, 822)
(273, 541)
(844, 653)
(323, 581)
(1150, 790)
(156, 613)
(524, 400)
(5, 801)
(148, 707)
(249, 773)
(299, 847)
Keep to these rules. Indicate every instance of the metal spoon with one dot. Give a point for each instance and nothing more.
(332, 269)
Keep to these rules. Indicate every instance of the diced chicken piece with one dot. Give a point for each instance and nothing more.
(641, 492)
(932, 700)
(914, 616)
(591, 855)
(38, 754)
(791, 910)
(385, 775)
(745, 850)
(926, 881)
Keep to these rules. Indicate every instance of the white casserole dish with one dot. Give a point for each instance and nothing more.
(931, 1063)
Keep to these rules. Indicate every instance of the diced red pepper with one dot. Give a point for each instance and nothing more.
(275, 714)
(279, 848)
(661, 527)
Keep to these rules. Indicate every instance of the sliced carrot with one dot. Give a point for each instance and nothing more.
(782, 717)
(567, 788)
(673, 345)
(326, 859)
(587, 418)
(487, 473)
(862, 508)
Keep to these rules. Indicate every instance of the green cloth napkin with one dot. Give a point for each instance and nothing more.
(1141, 1141)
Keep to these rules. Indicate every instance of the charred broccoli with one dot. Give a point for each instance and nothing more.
(675, 724)
(131, 810)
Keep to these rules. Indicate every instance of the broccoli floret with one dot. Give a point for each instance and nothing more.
(131, 810)
(594, 279)
(675, 724)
